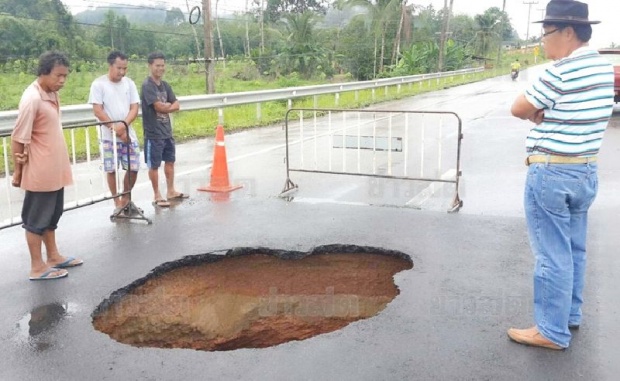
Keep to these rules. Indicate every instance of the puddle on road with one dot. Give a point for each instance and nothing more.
(251, 297)
(35, 327)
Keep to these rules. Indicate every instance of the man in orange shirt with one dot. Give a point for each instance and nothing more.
(42, 166)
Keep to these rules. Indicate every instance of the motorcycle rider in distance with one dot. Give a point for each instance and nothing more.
(514, 69)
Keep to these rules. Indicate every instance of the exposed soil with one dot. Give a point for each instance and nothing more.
(251, 301)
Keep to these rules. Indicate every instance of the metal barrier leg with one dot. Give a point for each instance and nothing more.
(288, 186)
(457, 204)
(131, 211)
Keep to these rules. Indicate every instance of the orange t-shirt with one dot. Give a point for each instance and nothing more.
(39, 126)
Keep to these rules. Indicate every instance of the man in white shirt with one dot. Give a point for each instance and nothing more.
(115, 99)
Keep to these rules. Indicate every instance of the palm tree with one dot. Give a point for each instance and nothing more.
(302, 48)
(486, 33)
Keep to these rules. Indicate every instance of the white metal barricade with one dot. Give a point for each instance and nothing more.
(421, 146)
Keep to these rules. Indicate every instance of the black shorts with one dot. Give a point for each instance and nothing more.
(42, 210)
(158, 150)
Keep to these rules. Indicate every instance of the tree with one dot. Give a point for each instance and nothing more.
(302, 50)
(489, 27)
(428, 23)
(445, 26)
(404, 31)
(233, 35)
(463, 28)
(219, 33)
(109, 24)
(123, 34)
(277, 9)
(174, 17)
(35, 9)
(422, 58)
(355, 49)
(382, 16)
(15, 37)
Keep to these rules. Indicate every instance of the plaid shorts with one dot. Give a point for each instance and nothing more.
(121, 152)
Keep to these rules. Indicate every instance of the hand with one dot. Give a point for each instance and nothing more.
(16, 181)
(121, 132)
(21, 158)
(537, 117)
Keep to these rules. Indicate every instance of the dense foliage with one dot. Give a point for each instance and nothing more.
(309, 38)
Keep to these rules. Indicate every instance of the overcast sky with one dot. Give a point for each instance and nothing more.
(607, 11)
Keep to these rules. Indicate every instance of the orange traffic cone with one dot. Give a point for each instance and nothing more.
(219, 170)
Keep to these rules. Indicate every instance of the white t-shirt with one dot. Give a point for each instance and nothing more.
(116, 98)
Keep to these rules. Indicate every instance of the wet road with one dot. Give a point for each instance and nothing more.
(471, 278)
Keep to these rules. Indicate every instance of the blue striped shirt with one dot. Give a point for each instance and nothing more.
(577, 95)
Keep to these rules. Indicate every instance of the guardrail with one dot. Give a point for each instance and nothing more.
(83, 114)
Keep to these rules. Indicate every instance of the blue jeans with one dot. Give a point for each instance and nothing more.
(557, 198)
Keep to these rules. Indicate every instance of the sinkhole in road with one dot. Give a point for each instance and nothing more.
(251, 297)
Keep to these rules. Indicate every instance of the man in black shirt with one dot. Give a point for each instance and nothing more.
(158, 101)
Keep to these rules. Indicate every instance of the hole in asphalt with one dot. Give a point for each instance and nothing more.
(251, 297)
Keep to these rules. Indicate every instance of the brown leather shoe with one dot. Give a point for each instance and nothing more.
(531, 336)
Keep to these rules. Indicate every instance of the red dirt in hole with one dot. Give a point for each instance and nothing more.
(253, 301)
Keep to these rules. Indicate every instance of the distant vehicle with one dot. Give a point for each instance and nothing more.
(613, 55)
(514, 73)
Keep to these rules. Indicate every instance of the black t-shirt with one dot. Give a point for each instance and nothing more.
(156, 125)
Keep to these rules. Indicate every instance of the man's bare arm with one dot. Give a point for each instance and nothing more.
(20, 158)
(165, 107)
(118, 128)
(522, 108)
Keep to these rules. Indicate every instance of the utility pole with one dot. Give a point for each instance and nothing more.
(529, 13)
(499, 48)
(209, 51)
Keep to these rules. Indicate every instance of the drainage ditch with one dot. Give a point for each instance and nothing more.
(251, 297)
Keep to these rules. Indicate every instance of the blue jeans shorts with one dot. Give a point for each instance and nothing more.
(158, 150)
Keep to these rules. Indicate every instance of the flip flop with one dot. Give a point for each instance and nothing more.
(180, 196)
(48, 274)
(70, 262)
(161, 203)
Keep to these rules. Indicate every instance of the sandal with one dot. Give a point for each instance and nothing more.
(161, 203)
